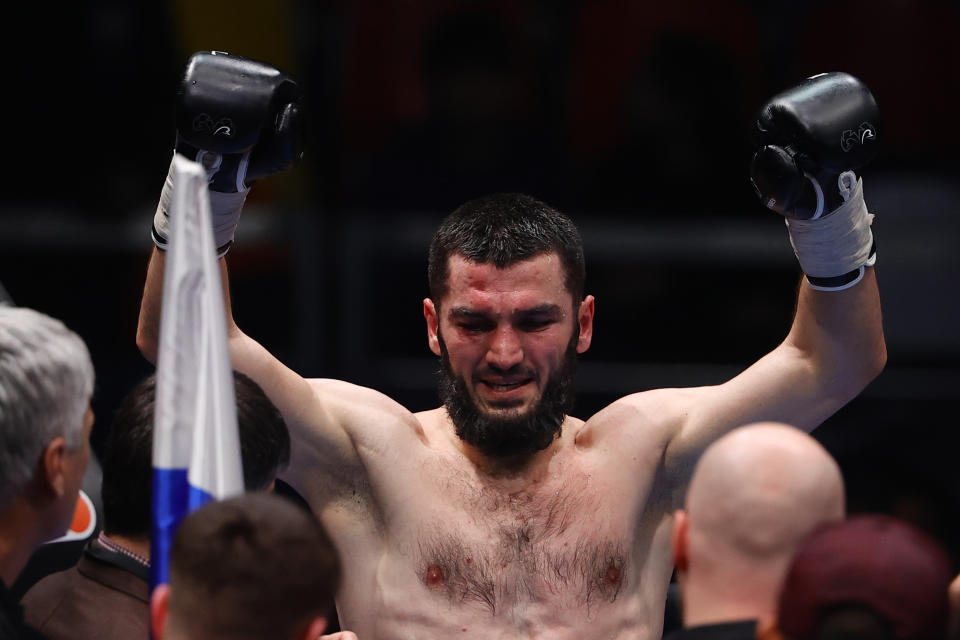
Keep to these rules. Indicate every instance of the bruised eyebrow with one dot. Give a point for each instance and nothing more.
(465, 312)
(546, 309)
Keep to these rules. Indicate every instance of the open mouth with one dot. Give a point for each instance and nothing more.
(505, 386)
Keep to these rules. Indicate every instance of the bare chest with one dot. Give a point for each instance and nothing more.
(557, 543)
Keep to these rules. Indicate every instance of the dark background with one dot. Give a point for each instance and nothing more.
(630, 116)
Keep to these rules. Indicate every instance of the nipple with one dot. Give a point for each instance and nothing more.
(434, 577)
(612, 576)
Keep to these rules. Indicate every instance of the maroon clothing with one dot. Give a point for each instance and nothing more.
(105, 597)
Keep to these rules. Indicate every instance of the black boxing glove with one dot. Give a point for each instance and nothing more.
(811, 138)
(241, 120)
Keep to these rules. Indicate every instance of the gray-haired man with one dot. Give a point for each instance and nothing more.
(46, 381)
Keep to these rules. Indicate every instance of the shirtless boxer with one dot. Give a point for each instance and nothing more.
(498, 515)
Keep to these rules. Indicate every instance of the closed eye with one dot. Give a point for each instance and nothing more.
(471, 321)
(538, 318)
(535, 324)
(475, 327)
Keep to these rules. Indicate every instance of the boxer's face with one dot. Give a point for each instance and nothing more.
(508, 340)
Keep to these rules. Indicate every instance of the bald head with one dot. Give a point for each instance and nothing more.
(761, 488)
(754, 495)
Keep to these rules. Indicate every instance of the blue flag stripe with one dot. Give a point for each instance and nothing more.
(169, 508)
(173, 499)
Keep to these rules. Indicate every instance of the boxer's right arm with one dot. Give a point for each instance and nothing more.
(241, 120)
(317, 427)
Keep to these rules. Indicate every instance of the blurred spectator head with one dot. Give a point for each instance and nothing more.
(127, 452)
(255, 566)
(46, 383)
(754, 495)
(472, 66)
(871, 577)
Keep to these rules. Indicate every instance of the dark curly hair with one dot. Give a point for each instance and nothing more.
(504, 229)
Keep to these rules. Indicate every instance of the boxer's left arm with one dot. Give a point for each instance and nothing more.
(835, 345)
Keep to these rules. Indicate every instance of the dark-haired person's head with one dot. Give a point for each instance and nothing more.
(127, 452)
(254, 566)
(507, 317)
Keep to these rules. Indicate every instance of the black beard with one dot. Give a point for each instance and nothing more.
(514, 438)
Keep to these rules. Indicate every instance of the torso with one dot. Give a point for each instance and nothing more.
(433, 548)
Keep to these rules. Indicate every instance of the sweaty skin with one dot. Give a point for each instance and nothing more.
(439, 541)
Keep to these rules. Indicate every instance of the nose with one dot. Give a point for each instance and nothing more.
(505, 350)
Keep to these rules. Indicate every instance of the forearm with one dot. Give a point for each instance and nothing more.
(840, 335)
(148, 325)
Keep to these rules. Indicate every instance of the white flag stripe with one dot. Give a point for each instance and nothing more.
(196, 443)
(203, 371)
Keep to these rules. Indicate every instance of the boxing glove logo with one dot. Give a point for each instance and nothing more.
(203, 123)
(850, 138)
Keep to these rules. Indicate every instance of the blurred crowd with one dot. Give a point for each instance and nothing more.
(598, 106)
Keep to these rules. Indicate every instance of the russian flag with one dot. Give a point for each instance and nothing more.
(196, 446)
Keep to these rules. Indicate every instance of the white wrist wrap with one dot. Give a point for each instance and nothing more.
(225, 209)
(839, 242)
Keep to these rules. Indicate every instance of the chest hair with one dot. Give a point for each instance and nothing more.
(498, 550)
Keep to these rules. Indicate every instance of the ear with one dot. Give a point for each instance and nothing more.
(159, 610)
(767, 629)
(314, 630)
(585, 316)
(679, 543)
(51, 471)
(433, 324)
(953, 597)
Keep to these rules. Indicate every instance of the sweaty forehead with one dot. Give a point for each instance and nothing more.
(537, 280)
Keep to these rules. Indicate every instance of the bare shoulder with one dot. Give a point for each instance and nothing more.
(369, 417)
(627, 442)
(654, 415)
(339, 435)
(636, 430)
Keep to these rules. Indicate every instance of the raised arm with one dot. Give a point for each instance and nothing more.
(240, 119)
(812, 137)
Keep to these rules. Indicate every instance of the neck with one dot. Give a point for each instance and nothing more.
(737, 599)
(18, 538)
(139, 545)
(524, 467)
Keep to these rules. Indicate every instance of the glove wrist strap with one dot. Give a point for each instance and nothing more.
(225, 209)
(834, 249)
